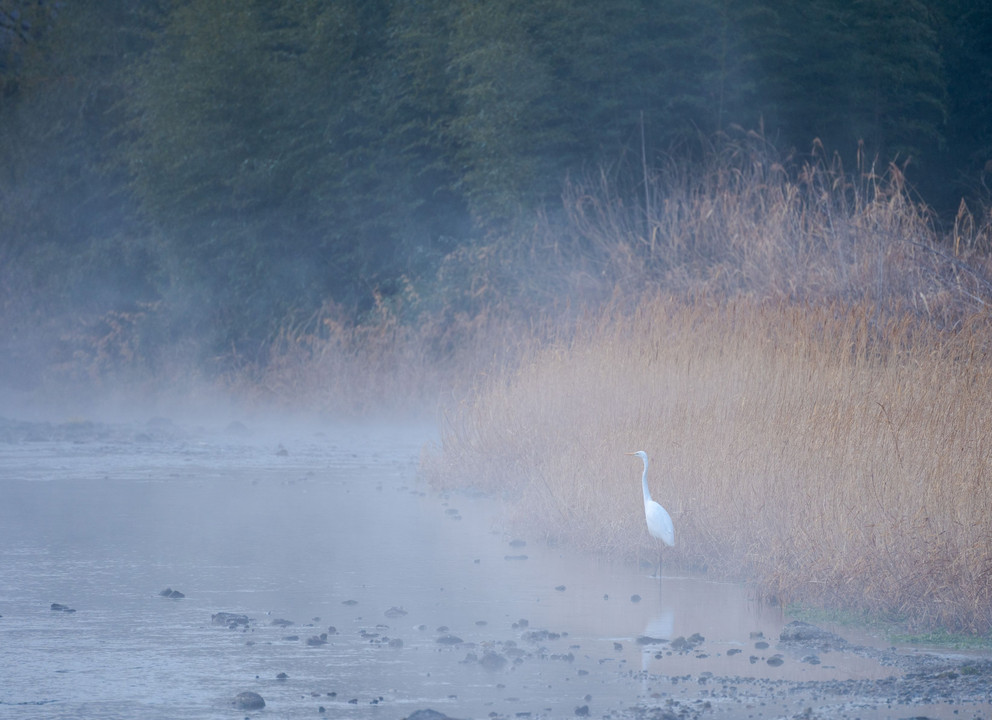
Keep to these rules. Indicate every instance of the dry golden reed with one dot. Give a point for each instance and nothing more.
(825, 452)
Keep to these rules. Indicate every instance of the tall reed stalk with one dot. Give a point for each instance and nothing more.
(824, 453)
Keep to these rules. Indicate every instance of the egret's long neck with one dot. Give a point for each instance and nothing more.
(644, 482)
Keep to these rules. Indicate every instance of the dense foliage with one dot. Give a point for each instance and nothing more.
(174, 169)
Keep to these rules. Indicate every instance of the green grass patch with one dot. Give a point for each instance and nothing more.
(893, 628)
(944, 639)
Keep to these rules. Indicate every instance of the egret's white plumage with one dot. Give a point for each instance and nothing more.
(658, 519)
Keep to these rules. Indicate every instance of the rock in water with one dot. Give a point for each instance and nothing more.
(428, 714)
(492, 660)
(806, 635)
(232, 620)
(248, 701)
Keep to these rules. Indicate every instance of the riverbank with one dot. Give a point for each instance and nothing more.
(832, 455)
(350, 585)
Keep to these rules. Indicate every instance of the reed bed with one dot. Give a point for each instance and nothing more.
(331, 366)
(828, 454)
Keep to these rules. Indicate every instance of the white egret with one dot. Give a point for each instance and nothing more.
(658, 519)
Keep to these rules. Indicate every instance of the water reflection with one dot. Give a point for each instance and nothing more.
(336, 532)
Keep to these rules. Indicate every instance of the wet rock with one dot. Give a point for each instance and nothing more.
(395, 643)
(733, 651)
(761, 645)
(317, 640)
(560, 588)
(516, 654)
(521, 623)
(282, 676)
(231, 620)
(811, 660)
(279, 622)
(349, 602)
(582, 711)
(248, 701)
(775, 660)
(806, 635)
(395, 612)
(492, 660)
(635, 598)
(682, 644)
(449, 640)
(291, 638)
(428, 714)
(331, 630)
(59, 607)
(647, 640)
(536, 636)
(170, 593)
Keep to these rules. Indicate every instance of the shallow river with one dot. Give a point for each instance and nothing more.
(423, 600)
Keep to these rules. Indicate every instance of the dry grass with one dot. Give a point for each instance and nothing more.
(383, 366)
(330, 365)
(829, 456)
(741, 222)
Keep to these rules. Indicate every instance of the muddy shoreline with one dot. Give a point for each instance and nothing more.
(922, 685)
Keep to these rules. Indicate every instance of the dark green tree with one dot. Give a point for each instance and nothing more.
(966, 40)
(64, 219)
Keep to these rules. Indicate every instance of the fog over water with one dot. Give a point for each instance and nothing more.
(432, 603)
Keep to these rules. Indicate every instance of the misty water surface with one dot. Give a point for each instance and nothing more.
(332, 531)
